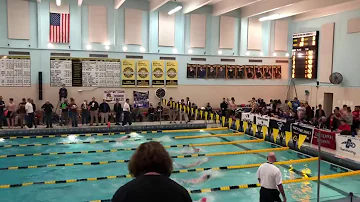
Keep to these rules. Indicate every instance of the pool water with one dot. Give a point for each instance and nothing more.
(104, 189)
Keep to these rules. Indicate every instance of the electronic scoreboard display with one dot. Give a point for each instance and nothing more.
(305, 55)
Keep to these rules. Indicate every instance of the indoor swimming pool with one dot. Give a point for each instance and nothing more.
(71, 168)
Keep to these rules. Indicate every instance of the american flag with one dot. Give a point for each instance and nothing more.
(59, 28)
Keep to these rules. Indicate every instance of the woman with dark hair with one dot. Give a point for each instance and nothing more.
(151, 166)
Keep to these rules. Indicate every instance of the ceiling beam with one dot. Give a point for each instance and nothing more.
(79, 2)
(305, 6)
(192, 5)
(264, 7)
(226, 6)
(117, 3)
(155, 4)
(330, 10)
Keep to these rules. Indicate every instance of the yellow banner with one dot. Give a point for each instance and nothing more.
(301, 140)
(264, 131)
(223, 120)
(237, 123)
(254, 127)
(245, 126)
(192, 110)
(211, 116)
(196, 112)
(143, 73)
(275, 134)
(217, 118)
(230, 122)
(158, 73)
(206, 116)
(201, 112)
(171, 73)
(128, 73)
(288, 136)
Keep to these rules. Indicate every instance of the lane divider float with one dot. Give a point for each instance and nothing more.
(114, 141)
(108, 150)
(129, 176)
(245, 186)
(126, 161)
(118, 133)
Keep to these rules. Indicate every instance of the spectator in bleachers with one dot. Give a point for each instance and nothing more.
(309, 111)
(295, 104)
(118, 112)
(232, 106)
(344, 126)
(320, 112)
(136, 114)
(332, 123)
(356, 116)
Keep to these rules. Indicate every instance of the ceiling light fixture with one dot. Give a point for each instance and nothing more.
(247, 53)
(220, 52)
(274, 54)
(190, 51)
(107, 47)
(142, 49)
(88, 46)
(50, 45)
(261, 53)
(176, 9)
(124, 48)
(58, 2)
(270, 17)
(287, 54)
(174, 50)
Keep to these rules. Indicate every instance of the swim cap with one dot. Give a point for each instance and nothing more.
(208, 176)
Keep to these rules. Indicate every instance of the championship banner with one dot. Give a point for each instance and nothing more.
(158, 73)
(171, 73)
(327, 138)
(281, 125)
(143, 73)
(128, 73)
(301, 130)
(111, 96)
(262, 120)
(141, 99)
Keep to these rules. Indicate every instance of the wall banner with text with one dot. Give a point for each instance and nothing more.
(158, 73)
(143, 73)
(171, 73)
(111, 96)
(128, 73)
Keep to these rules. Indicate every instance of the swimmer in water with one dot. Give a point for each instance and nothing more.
(123, 138)
(197, 180)
(192, 151)
(197, 163)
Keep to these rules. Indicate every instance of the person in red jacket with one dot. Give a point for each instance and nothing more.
(344, 126)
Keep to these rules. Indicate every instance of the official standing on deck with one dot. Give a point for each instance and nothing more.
(270, 178)
(127, 113)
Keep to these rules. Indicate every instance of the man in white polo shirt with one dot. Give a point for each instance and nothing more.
(270, 178)
(127, 113)
(29, 113)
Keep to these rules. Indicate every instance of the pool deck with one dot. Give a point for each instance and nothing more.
(136, 126)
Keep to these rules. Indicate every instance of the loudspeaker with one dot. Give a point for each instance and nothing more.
(40, 86)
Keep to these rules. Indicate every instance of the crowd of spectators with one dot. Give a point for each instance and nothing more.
(300, 111)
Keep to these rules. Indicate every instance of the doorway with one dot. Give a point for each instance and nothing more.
(328, 103)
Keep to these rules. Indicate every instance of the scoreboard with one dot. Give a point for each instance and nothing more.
(305, 55)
